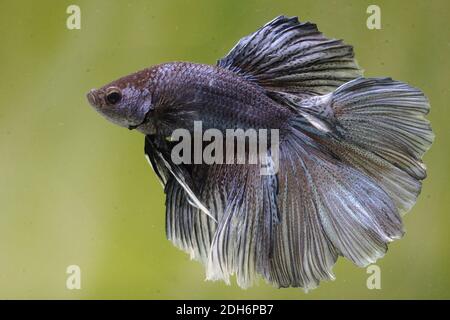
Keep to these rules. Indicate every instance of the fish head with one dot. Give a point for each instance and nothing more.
(126, 102)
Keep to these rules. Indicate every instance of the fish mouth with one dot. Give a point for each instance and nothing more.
(92, 97)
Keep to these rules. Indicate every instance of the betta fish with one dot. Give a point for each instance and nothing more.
(349, 148)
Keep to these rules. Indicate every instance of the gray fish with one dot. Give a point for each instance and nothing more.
(350, 152)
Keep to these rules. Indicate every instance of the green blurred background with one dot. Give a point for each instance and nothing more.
(75, 189)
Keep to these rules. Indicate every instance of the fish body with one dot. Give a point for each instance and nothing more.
(346, 166)
(179, 93)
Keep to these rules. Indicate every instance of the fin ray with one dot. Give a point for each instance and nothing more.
(286, 55)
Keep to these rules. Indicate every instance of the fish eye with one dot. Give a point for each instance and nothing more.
(113, 96)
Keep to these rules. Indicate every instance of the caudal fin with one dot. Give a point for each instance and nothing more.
(351, 166)
(379, 127)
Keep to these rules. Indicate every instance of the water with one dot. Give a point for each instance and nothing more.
(75, 189)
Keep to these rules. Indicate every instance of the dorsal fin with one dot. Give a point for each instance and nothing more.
(286, 55)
